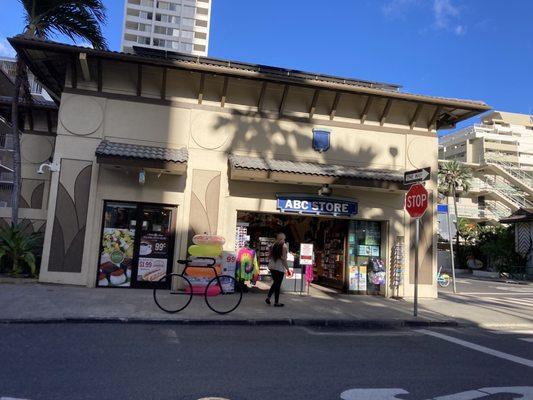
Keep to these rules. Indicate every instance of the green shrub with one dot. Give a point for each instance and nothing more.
(18, 249)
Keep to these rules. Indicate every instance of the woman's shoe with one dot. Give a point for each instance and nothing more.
(279, 305)
(267, 300)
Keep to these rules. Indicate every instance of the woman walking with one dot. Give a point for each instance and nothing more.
(277, 264)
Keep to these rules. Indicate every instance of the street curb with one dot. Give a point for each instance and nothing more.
(318, 323)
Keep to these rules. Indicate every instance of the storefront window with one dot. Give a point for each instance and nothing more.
(136, 244)
(118, 236)
(364, 256)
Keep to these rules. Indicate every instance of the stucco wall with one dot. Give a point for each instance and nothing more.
(210, 135)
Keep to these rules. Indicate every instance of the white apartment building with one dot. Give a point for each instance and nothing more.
(499, 150)
(9, 67)
(173, 25)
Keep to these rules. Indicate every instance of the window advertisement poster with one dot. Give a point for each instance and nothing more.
(229, 266)
(115, 264)
(370, 251)
(306, 254)
(153, 256)
(357, 278)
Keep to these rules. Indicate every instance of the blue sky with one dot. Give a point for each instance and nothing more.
(477, 49)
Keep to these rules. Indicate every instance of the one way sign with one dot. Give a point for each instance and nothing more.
(418, 175)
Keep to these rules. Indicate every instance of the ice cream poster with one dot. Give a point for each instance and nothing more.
(115, 264)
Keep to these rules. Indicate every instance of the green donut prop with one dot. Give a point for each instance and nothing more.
(205, 250)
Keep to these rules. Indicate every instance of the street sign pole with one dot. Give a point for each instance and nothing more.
(451, 248)
(416, 204)
(417, 237)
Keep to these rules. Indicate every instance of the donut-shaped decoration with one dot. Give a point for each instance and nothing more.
(197, 272)
(208, 239)
(205, 250)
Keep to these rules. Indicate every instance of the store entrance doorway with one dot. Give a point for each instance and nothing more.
(346, 252)
(136, 244)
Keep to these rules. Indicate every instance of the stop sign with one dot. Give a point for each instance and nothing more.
(416, 200)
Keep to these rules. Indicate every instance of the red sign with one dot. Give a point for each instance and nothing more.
(416, 200)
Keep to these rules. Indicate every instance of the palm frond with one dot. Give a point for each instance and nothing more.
(76, 19)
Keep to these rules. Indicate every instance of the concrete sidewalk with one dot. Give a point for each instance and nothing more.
(34, 302)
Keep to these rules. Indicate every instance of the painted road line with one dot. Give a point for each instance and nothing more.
(477, 347)
(358, 333)
(514, 332)
(474, 294)
(511, 301)
(527, 339)
(526, 392)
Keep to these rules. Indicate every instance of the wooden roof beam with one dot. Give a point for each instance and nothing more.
(139, 79)
(86, 73)
(312, 109)
(99, 75)
(163, 93)
(412, 124)
(385, 113)
(368, 104)
(262, 96)
(334, 105)
(434, 117)
(224, 92)
(201, 89)
(283, 99)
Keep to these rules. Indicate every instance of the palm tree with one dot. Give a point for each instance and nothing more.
(454, 178)
(76, 19)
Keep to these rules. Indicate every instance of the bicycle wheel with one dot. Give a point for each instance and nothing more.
(444, 281)
(173, 293)
(223, 294)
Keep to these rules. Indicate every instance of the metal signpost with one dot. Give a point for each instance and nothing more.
(443, 208)
(416, 203)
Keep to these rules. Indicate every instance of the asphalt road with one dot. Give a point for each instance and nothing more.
(123, 361)
(513, 301)
(485, 287)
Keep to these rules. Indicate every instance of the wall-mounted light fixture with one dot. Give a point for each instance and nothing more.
(325, 190)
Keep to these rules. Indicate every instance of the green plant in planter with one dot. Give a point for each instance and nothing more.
(498, 246)
(19, 248)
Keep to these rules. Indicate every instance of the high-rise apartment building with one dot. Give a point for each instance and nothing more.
(499, 151)
(174, 25)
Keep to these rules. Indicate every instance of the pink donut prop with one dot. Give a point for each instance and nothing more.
(200, 290)
(208, 239)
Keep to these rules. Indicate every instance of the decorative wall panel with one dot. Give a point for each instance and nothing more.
(68, 235)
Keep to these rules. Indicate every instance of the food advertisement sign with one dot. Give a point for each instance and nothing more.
(116, 258)
(358, 280)
(153, 256)
(306, 254)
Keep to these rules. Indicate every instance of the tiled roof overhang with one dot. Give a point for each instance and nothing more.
(141, 156)
(263, 169)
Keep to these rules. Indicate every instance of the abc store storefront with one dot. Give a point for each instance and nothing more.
(240, 136)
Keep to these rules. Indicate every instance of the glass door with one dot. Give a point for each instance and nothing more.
(155, 244)
(363, 256)
(137, 244)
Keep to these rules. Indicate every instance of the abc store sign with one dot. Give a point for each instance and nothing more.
(316, 205)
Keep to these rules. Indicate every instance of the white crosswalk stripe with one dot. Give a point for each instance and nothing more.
(527, 335)
(510, 301)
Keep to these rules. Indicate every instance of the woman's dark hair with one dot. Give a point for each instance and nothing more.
(276, 251)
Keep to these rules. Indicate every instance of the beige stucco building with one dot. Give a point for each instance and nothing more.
(166, 146)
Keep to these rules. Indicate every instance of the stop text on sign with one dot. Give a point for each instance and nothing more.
(416, 200)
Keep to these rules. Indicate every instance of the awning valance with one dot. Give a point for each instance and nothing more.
(260, 168)
(150, 157)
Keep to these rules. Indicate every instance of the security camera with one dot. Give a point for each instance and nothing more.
(52, 166)
(325, 190)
